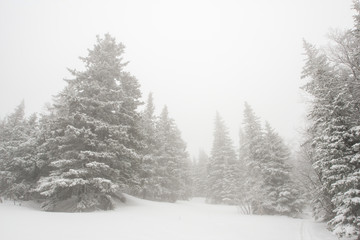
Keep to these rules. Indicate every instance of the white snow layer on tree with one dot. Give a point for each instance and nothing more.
(141, 219)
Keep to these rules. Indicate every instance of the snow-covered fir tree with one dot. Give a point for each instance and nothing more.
(200, 173)
(281, 195)
(91, 141)
(173, 167)
(333, 83)
(243, 191)
(318, 68)
(150, 183)
(265, 185)
(18, 169)
(252, 155)
(222, 169)
(334, 135)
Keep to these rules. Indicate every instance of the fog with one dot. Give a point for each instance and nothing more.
(197, 57)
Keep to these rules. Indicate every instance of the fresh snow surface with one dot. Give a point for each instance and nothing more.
(140, 219)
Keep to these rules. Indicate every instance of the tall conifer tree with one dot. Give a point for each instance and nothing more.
(150, 186)
(333, 82)
(253, 156)
(173, 170)
(282, 197)
(222, 174)
(200, 172)
(91, 142)
(18, 169)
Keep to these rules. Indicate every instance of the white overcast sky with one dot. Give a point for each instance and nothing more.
(197, 57)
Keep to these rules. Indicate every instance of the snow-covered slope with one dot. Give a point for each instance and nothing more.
(140, 219)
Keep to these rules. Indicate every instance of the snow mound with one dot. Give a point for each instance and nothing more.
(141, 219)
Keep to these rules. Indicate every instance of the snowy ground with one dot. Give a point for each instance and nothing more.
(139, 219)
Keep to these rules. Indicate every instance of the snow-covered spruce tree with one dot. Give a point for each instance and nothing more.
(243, 195)
(282, 197)
(186, 191)
(321, 87)
(335, 129)
(173, 170)
(18, 169)
(90, 142)
(346, 114)
(253, 151)
(222, 169)
(200, 173)
(150, 185)
(343, 176)
(335, 135)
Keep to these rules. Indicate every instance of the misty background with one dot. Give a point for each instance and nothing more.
(197, 57)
